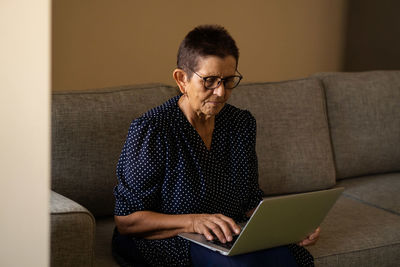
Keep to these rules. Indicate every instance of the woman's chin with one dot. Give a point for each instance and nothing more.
(213, 110)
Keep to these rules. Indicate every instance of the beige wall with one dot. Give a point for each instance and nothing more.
(24, 134)
(100, 43)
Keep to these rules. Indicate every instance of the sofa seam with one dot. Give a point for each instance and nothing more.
(369, 204)
(368, 174)
(324, 101)
(358, 250)
(66, 212)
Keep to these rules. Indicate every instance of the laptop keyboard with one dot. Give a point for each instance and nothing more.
(227, 245)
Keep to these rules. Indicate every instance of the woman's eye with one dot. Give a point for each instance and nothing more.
(211, 81)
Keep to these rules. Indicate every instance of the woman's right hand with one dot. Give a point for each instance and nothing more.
(220, 225)
(154, 225)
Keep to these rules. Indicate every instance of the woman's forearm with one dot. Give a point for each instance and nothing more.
(153, 225)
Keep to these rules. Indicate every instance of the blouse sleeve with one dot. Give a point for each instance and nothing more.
(254, 193)
(140, 169)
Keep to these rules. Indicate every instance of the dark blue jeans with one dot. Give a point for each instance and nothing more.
(280, 256)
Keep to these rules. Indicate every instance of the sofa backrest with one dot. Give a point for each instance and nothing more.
(364, 118)
(89, 129)
(293, 143)
(88, 132)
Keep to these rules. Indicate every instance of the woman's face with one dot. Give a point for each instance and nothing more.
(209, 102)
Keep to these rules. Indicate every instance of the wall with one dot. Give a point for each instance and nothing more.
(101, 43)
(373, 35)
(24, 135)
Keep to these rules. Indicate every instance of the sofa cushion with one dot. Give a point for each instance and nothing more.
(364, 118)
(355, 234)
(72, 233)
(382, 191)
(88, 132)
(293, 143)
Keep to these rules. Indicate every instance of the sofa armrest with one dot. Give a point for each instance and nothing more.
(72, 233)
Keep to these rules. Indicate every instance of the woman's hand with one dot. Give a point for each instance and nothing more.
(219, 225)
(311, 239)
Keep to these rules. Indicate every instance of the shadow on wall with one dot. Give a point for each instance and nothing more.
(373, 35)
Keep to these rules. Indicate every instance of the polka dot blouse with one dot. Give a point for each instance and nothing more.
(165, 167)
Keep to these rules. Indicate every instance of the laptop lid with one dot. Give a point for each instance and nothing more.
(277, 221)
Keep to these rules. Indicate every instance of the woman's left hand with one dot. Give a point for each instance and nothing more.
(311, 239)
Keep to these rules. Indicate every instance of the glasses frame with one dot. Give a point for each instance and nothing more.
(220, 80)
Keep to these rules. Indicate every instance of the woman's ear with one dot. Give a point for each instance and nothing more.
(180, 79)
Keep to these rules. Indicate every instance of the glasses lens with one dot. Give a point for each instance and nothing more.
(231, 82)
(212, 82)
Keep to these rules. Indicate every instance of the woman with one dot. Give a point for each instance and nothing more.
(190, 165)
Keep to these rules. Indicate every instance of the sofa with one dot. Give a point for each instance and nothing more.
(322, 131)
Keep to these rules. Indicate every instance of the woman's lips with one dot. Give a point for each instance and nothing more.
(215, 102)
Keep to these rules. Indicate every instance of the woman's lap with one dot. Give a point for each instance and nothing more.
(280, 256)
(126, 254)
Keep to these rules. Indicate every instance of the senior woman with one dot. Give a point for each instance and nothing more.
(190, 165)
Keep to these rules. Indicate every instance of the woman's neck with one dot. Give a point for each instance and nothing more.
(196, 118)
(204, 125)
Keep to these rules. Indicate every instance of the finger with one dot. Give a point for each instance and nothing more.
(204, 230)
(315, 235)
(232, 224)
(305, 242)
(308, 242)
(216, 230)
(225, 227)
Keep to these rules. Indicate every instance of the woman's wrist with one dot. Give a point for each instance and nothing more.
(190, 223)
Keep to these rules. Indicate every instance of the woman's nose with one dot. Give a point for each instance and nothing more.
(220, 90)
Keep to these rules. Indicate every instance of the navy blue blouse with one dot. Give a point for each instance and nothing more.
(166, 167)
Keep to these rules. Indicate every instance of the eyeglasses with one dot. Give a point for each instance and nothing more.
(212, 82)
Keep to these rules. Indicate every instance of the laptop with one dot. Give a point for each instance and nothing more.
(277, 221)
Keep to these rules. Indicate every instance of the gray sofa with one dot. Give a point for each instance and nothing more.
(319, 132)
